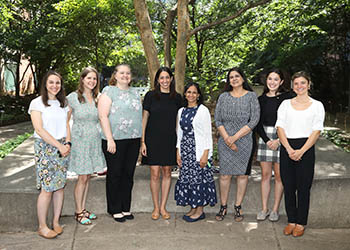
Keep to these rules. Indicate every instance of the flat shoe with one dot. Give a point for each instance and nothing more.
(298, 231)
(58, 229)
(119, 219)
(49, 235)
(155, 216)
(166, 216)
(262, 215)
(129, 217)
(189, 219)
(288, 229)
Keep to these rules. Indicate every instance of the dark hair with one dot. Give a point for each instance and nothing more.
(279, 72)
(157, 85)
(200, 98)
(112, 80)
(228, 86)
(61, 96)
(80, 89)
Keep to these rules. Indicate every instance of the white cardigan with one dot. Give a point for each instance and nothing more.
(202, 131)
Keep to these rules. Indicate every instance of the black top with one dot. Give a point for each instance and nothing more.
(160, 134)
(268, 111)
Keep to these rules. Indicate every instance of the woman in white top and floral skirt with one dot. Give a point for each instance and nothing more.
(52, 144)
(299, 123)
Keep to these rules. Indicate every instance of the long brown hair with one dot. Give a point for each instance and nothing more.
(113, 81)
(61, 96)
(80, 89)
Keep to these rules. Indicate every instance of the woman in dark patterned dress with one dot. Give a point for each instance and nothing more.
(237, 113)
(195, 186)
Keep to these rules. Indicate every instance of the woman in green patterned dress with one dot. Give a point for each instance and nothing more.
(86, 156)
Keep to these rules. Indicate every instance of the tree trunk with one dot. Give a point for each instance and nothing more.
(17, 80)
(183, 31)
(143, 23)
(167, 36)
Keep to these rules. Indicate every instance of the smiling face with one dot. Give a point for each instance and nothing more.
(192, 96)
(90, 81)
(164, 81)
(301, 86)
(53, 86)
(123, 75)
(273, 82)
(236, 80)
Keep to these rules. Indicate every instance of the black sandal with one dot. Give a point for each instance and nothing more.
(237, 214)
(221, 214)
(82, 219)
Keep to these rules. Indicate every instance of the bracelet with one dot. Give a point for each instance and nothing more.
(68, 143)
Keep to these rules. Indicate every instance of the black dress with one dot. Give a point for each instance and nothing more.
(160, 134)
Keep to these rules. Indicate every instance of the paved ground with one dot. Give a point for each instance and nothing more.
(12, 131)
(143, 233)
(208, 234)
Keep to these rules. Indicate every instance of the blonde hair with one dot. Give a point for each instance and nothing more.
(113, 81)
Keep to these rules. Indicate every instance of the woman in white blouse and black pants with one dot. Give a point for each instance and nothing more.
(299, 123)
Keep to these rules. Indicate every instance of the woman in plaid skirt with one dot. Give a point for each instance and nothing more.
(268, 146)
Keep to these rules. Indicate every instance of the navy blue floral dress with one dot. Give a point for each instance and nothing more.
(195, 186)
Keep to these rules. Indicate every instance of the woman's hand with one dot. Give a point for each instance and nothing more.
(111, 147)
(178, 159)
(298, 155)
(64, 150)
(273, 144)
(143, 149)
(203, 161)
(230, 142)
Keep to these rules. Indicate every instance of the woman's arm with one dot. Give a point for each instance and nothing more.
(39, 129)
(104, 106)
(284, 141)
(308, 144)
(179, 134)
(145, 116)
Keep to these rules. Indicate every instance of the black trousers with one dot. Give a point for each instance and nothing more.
(120, 174)
(297, 177)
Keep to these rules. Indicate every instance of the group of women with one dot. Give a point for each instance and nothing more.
(109, 129)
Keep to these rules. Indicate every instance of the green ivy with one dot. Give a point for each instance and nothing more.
(339, 138)
(11, 144)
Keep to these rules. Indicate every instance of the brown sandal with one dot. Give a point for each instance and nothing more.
(82, 219)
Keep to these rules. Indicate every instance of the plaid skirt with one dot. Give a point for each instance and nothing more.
(51, 169)
(264, 153)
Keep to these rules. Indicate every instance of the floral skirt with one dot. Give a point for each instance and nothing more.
(51, 169)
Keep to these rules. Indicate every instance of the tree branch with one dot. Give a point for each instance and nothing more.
(226, 19)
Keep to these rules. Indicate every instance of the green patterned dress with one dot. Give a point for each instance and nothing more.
(86, 155)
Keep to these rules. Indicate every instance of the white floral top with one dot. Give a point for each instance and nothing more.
(125, 115)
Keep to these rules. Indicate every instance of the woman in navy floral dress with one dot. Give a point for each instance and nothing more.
(195, 186)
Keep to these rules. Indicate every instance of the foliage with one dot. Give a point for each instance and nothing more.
(11, 144)
(69, 35)
(14, 110)
(339, 138)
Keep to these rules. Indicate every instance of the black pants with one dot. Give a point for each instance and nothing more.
(297, 177)
(120, 174)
